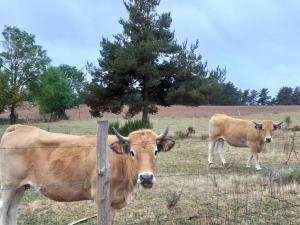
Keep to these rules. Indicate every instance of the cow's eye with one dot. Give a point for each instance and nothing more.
(132, 153)
(160, 147)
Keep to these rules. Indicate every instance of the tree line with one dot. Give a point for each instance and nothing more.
(141, 67)
(231, 95)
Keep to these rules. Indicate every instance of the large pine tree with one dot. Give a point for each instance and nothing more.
(132, 67)
(144, 67)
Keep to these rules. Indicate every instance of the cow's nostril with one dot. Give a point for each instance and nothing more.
(268, 139)
(146, 177)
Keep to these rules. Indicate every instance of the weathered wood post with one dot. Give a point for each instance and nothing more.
(102, 173)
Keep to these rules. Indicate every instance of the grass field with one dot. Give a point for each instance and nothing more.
(233, 195)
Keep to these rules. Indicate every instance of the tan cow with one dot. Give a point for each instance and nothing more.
(62, 166)
(239, 133)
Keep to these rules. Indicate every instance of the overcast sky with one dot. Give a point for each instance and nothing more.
(258, 41)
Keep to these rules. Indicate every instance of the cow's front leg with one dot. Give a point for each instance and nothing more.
(12, 211)
(257, 166)
(6, 197)
(249, 161)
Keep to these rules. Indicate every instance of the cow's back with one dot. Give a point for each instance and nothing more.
(232, 130)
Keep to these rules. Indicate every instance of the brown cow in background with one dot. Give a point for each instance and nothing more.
(239, 133)
(63, 167)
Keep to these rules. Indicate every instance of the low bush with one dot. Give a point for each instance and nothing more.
(180, 134)
(288, 176)
(295, 128)
(288, 121)
(172, 199)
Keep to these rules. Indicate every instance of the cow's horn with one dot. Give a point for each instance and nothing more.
(256, 123)
(120, 137)
(278, 124)
(163, 134)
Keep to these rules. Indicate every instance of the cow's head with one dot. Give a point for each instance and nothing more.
(266, 128)
(143, 147)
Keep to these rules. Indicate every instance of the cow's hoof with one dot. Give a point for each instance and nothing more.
(210, 164)
(248, 166)
(258, 169)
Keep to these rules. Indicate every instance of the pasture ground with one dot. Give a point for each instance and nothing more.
(232, 195)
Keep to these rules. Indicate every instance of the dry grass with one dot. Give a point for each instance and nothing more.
(233, 195)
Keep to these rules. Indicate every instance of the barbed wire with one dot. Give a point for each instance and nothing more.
(142, 143)
(199, 174)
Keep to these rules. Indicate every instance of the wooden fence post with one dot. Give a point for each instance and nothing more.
(102, 173)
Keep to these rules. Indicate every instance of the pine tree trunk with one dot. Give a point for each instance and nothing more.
(145, 112)
(145, 116)
(12, 115)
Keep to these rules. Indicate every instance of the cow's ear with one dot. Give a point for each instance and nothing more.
(258, 126)
(165, 145)
(120, 147)
(117, 147)
(277, 126)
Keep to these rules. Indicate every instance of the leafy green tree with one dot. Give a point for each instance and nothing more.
(285, 96)
(55, 93)
(264, 98)
(22, 61)
(75, 77)
(3, 90)
(296, 96)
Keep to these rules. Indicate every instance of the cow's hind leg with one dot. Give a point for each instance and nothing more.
(211, 146)
(220, 144)
(13, 207)
(6, 198)
(249, 161)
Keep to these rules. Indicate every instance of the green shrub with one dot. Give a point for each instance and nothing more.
(115, 124)
(288, 121)
(190, 131)
(180, 134)
(172, 199)
(129, 126)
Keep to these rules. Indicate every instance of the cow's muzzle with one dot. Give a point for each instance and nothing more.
(268, 139)
(146, 179)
